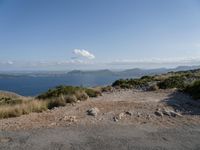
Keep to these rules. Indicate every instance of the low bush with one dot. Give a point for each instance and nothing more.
(107, 89)
(133, 83)
(56, 103)
(173, 82)
(194, 90)
(70, 91)
(147, 78)
(60, 90)
(122, 84)
(70, 99)
(81, 95)
(93, 92)
(153, 87)
(10, 101)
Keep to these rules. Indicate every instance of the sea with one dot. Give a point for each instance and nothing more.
(35, 85)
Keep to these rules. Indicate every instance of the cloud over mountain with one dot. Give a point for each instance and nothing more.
(84, 53)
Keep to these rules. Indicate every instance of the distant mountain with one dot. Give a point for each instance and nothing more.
(141, 72)
(130, 73)
(93, 73)
(185, 68)
(9, 94)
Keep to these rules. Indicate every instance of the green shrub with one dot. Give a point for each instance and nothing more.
(56, 103)
(70, 99)
(93, 92)
(60, 90)
(173, 82)
(107, 89)
(147, 78)
(71, 92)
(10, 101)
(133, 83)
(153, 88)
(81, 95)
(122, 83)
(194, 90)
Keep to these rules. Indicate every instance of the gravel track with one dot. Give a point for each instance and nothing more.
(70, 128)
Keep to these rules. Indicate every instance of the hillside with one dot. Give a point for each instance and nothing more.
(185, 81)
(13, 105)
(9, 94)
(156, 111)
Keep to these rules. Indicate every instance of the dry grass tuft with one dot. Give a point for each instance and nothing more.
(7, 111)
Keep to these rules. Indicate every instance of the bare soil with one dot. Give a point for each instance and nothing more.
(126, 120)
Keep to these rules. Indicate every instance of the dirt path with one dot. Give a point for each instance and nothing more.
(104, 137)
(126, 120)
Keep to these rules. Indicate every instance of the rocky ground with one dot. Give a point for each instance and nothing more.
(163, 119)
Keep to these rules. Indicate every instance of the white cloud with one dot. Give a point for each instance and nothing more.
(156, 62)
(84, 53)
(10, 62)
(87, 64)
(197, 45)
(6, 62)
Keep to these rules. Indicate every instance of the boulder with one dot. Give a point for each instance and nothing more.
(139, 114)
(129, 113)
(171, 113)
(116, 119)
(167, 112)
(121, 115)
(93, 111)
(175, 114)
(159, 113)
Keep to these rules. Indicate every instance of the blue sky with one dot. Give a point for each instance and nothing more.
(98, 34)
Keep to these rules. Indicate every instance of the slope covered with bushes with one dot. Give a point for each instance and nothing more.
(12, 105)
(194, 89)
(186, 81)
(79, 92)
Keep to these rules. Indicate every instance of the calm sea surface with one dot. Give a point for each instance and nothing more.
(32, 86)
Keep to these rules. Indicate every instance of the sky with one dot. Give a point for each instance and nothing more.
(98, 34)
